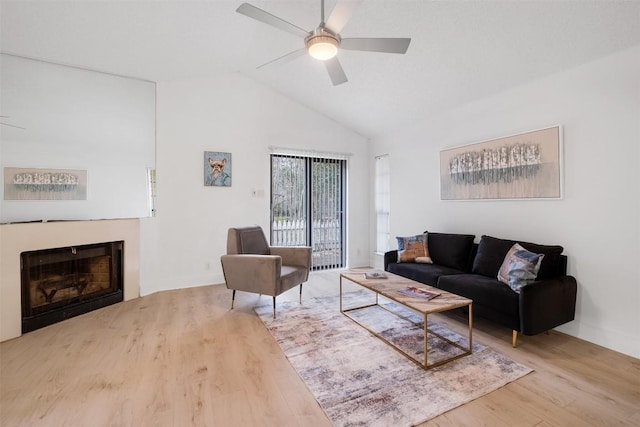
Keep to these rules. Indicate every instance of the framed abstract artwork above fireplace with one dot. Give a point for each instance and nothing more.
(44, 184)
(523, 166)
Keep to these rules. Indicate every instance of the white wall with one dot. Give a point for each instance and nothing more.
(181, 247)
(597, 222)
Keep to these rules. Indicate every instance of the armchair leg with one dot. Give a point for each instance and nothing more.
(274, 307)
(300, 293)
(514, 338)
(233, 298)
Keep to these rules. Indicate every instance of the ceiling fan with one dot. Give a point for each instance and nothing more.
(323, 42)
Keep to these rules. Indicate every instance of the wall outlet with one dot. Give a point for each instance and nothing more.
(257, 192)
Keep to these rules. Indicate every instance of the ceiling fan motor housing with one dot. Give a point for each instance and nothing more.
(322, 44)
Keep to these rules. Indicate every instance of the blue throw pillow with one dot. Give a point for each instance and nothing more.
(519, 267)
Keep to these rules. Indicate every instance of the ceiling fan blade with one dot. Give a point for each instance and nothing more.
(341, 14)
(386, 45)
(286, 58)
(269, 19)
(13, 126)
(336, 73)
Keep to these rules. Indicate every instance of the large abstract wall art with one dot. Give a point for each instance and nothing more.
(524, 166)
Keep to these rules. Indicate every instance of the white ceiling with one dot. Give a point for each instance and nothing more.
(460, 50)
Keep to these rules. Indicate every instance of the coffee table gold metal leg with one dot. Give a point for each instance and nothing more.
(470, 328)
(426, 352)
(340, 294)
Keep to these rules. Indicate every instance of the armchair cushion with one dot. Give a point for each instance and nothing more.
(247, 240)
(293, 255)
(292, 276)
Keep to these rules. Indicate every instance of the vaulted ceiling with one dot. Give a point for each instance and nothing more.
(460, 50)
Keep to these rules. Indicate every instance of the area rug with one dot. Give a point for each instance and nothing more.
(358, 380)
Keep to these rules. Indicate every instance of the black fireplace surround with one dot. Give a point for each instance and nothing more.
(65, 282)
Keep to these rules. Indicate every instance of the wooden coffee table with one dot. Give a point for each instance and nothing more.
(389, 287)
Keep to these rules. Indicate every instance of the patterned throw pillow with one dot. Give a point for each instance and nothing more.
(412, 247)
(519, 267)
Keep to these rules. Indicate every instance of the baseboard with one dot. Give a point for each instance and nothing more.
(614, 340)
(182, 283)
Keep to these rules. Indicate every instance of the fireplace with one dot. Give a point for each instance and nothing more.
(65, 282)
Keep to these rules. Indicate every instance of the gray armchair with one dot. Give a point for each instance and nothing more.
(251, 265)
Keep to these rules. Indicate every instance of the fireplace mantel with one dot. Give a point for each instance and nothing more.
(17, 238)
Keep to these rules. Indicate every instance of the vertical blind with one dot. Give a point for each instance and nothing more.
(307, 206)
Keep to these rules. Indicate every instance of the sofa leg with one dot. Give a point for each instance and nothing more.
(514, 338)
(300, 293)
(233, 298)
(274, 307)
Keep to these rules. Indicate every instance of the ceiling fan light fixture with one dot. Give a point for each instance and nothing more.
(322, 47)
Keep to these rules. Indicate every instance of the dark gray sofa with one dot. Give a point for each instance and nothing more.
(470, 269)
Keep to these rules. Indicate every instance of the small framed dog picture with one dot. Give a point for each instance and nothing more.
(217, 169)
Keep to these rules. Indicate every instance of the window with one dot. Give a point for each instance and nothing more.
(382, 201)
(307, 206)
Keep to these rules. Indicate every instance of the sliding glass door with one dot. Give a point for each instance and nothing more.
(307, 206)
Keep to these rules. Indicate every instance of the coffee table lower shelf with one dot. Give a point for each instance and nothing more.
(424, 311)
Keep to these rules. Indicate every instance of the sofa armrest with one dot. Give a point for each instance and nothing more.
(252, 273)
(545, 304)
(293, 255)
(389, 257)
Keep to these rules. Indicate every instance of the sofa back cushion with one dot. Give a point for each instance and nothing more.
(491, 253)
(451, 250)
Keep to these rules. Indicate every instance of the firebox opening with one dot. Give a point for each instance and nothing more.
(65, 282)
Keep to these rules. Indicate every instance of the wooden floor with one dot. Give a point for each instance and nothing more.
(182, 358)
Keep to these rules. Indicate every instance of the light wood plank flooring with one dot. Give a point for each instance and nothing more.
(182, 358)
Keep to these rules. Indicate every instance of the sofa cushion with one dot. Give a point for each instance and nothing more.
(492, 251)
(519, 267)
(451, 250)
(412, 247)
(423, 273)
(485, 291)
